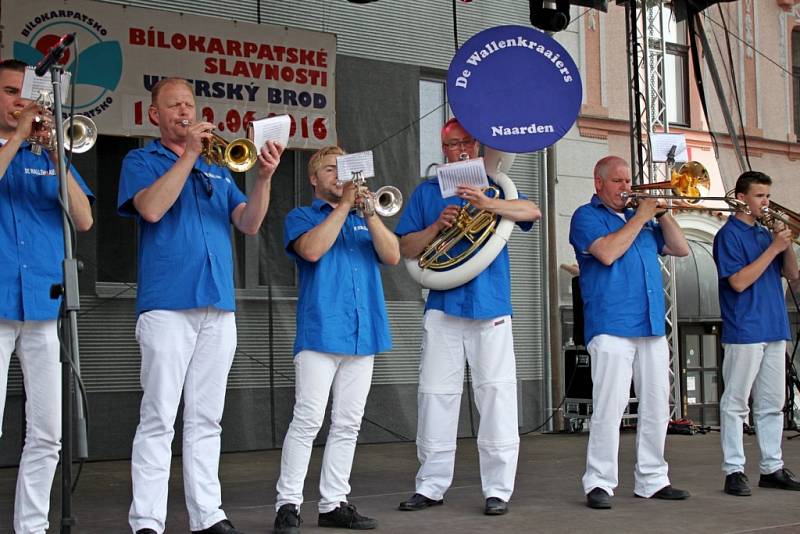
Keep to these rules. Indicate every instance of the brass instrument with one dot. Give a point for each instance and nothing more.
(776, 212)
(239, 155)
(685, 184)
(80, 133)
(386, 201)
(471, 224)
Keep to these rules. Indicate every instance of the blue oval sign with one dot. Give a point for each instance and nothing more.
(514, 88)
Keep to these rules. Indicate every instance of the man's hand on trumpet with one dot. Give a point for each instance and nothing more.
(781, 236)
(650, 207)
(25, 119)
(195, 134)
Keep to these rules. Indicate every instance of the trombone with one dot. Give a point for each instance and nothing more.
(686, 185)
(239, 155)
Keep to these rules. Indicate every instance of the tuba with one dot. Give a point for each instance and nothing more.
(493, 235)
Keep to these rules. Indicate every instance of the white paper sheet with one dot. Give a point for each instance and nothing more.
(662, 143)
(469, 172)
(33, 85)
(274, 129)
(349, 165)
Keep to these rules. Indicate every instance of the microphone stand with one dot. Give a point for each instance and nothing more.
(70, 359)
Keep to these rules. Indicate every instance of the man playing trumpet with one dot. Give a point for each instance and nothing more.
(31, 255)
(623, 308)
(755, 328)
(185, 300)
(341, 325)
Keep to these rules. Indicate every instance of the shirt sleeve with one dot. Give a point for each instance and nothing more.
(728, 254)
(136, 174)
(82, 184)
(413, 217)
(585, 228)
(235, 195)
(297, 223)
(658, 234)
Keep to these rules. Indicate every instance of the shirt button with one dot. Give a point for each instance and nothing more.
(22, 242)
(24, 265)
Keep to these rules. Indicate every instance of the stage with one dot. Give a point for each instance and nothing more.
(548, 496)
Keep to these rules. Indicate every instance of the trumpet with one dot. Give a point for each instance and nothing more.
(386, 201)
(239, 155)
(80, 133)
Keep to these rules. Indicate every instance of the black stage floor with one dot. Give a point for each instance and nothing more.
(548, 496)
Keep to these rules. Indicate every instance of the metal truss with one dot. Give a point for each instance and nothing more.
(644, 22)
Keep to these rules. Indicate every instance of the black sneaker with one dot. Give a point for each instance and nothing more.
(418, 501)
(599, 499)
(288, 520)
(780, 479)
(736, 484)
(346, 516)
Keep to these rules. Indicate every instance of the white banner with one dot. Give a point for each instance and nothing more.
(240, 71)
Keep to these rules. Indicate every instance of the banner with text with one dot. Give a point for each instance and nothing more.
(240, 71)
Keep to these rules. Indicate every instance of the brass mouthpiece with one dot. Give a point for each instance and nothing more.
(185, 122)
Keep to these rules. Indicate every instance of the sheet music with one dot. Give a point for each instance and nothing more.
(350, 164)
(469, 172)
(33, 85)
(274, 129)
(662, 143)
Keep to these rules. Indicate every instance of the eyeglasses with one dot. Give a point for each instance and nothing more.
(463, 143)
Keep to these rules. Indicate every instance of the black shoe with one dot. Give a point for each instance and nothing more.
(598, 499)
(736, 484)
(780, 479)
(346, 516)
(221, 527)
(288, 520)
(668, 493)
(146, 531)
(495, 506)
(418, 501)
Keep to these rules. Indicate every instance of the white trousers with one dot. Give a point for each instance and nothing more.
(488, 346)
(614, 361)
(37, 347)
(190, 351)
(317, 374)
(760, 367)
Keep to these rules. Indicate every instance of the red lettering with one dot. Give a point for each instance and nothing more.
(255, 69)
(265, 52)
(197, 43)
(250, 49)
(215, 46)
(161, 41)
(211, 65)
(234, 48)
(240, 69)
(136, 36)
(320, 128)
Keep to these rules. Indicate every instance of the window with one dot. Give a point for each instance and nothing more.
(434, 113)
(676, 70)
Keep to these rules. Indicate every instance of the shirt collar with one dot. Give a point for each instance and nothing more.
(597, 203)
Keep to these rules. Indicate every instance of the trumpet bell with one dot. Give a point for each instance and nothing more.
(80, 134)
(388, 201)
(241, 155)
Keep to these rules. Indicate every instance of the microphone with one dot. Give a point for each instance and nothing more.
(54, 54)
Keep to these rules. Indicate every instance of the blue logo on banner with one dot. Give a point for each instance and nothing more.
(514, 88)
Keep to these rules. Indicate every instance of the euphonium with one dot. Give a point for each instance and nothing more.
(472, 224)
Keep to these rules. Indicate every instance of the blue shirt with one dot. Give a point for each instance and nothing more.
(31, 237)
(340, 307)
(625, 299)
(486, 296)
(185, 259)
(757, 314)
